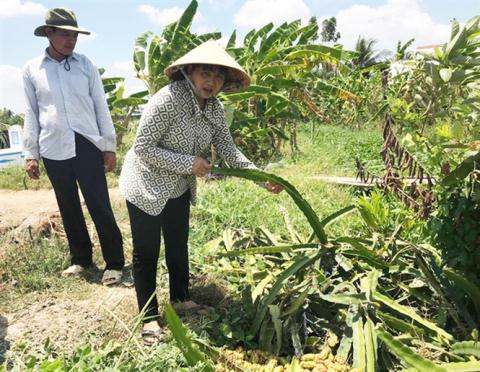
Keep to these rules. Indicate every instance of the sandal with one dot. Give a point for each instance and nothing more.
(111, 277)
(73, 270)
(151, 337)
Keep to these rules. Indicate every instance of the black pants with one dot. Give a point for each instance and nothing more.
(173, 222)
(86, 169)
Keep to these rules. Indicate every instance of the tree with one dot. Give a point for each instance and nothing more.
(314, 23)
(367, 55)
(329, 30)
(7, 117)
(401, 52)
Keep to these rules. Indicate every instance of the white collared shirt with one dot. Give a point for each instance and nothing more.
(60, 103)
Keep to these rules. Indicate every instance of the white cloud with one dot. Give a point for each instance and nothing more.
(161, 17)
(257, 13)
(388, 23)
(125, 69)
(82, 38)
(13, 8)
(11, 90)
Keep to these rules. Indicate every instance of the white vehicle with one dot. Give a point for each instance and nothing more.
(14, 153)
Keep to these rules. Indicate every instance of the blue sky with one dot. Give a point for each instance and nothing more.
(116, 23)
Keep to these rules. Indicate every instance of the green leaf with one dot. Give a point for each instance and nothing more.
(297, 303)
(260, 34)
(184, 342)
(277, 324)
(400, 325)
(345, 299)
(178, 37)
(370, 345)
(472, 366)
(129, 101)
(300, 263)
(407, 355)
(369, 283)
(232, 40)
(347, 339)
(359, 351)
(258, 290)
(465, 285)
(267, 250)
(259, 176)
(281, 70)
(409, 312)
(335, 216)
(361, 252)
(140, 50)
(446, 74)
(467, 348)
(462, 170)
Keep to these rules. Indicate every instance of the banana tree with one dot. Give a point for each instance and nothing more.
(153, 53)
(279, 61)
(123, 109)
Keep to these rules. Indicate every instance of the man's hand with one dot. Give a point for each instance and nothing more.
(109, 161)
(201, 167)
(32, 169)
(273, 187)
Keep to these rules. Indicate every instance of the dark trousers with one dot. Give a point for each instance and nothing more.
(173, 223)
(86, 169)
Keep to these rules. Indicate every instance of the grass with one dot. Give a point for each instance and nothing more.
(333, 149)
(30, 267)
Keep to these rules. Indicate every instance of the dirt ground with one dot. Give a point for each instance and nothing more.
(64, 320)
(16, 206)
(84, 313)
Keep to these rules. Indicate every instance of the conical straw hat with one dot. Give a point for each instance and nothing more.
(210, 53)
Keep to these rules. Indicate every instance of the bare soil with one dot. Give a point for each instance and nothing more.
(66, 320)
(87, 311)
(16, 206)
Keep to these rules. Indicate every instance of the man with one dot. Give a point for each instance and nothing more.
(68, 125)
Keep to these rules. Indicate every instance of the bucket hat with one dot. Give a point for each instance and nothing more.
(210, 53)
(60, 18)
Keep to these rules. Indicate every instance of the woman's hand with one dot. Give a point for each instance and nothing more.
(274, 188)
(201, 167)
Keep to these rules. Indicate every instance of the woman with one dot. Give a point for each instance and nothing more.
(158, 178)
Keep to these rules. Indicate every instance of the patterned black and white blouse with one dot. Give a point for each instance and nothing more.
(173, 130)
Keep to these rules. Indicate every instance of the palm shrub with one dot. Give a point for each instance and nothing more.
(381, 297)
